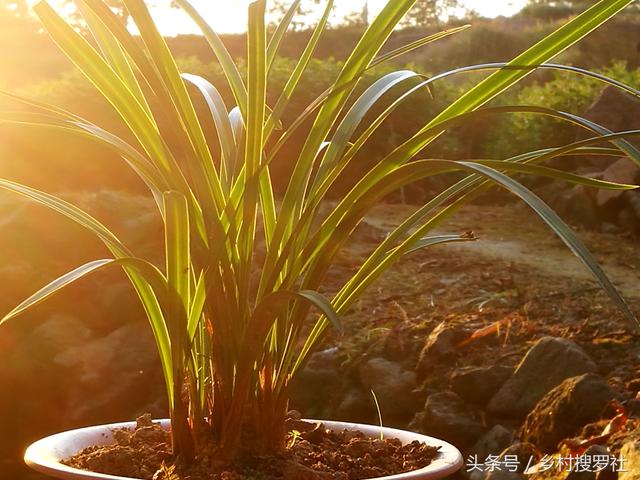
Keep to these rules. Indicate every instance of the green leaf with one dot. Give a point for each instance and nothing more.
(367, 48)
(145, 292)
(562, 230)
(410, 47)
(222, 54)
(279, 33)
(151, 274)
(421, 169)
(273, 305)
(301, 66)
(554, 174)
(541, 52)
(221, 120)
(197, 306)
(177, 245)
(207, 180)
(356, 114)
(439, 240)
(113, 52)
(106, 80)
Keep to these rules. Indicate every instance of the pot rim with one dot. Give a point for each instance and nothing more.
(45, 454)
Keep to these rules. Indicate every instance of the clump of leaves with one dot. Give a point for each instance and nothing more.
(229, 315)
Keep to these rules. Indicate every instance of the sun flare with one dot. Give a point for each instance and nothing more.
(230, 16)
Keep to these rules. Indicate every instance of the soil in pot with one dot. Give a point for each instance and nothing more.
(313, 452)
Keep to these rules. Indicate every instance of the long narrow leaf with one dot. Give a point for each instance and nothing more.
(151, 274)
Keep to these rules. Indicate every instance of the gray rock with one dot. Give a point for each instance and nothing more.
(397, 345)
(126, 361)
(525, 453)
(62, 331)
(592, 474)
(314, 387)
(607, 475)
(630, 452)
(356, 406)
(565, 409)
(577, 204)
(510, 464)
(440, 344)
(622, 170)
(446, 416)
(395, 387)
(580, 476)
(493, 442)
(504, 475)
(479, 384)
(615, 110)
(546, 365)
(628, 217)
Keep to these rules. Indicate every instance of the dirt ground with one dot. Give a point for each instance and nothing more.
(518, 275)
(518, 272)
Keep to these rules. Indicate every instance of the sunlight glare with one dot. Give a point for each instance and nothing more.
(230, 16)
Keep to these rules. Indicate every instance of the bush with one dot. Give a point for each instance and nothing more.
(499, 138)
(521, 132)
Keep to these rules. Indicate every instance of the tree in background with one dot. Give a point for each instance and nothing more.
(278, 8)
(427, 13)
(14, 8)
(358, 17)
(117, 7)
(563, 3)
(15, 23)
(557, 9)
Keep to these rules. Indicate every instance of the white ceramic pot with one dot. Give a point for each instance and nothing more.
(45, 455)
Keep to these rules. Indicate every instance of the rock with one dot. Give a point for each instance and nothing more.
(479, 384)
(366, 232)
(314, 387)
(510, 464)
(126, 361)
(590, 472)
(622, 170)
(565, 409)
(580, 476)
(397, 344)
(394, 387)
(61, 331)
(116, 297)
(607, 475)
(492, 442)
(577, 205)
(628, 217)
(633, 385)
(440, 344)
(356, 406)
(546, 365)
(446, 416)
(630, 452)
(524, 452)
(613, 109)
(504, 475)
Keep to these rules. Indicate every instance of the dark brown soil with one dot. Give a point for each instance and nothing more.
(313, 452)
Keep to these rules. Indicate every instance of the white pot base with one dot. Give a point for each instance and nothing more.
(45, 455)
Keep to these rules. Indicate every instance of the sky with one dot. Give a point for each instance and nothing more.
(229, 16)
